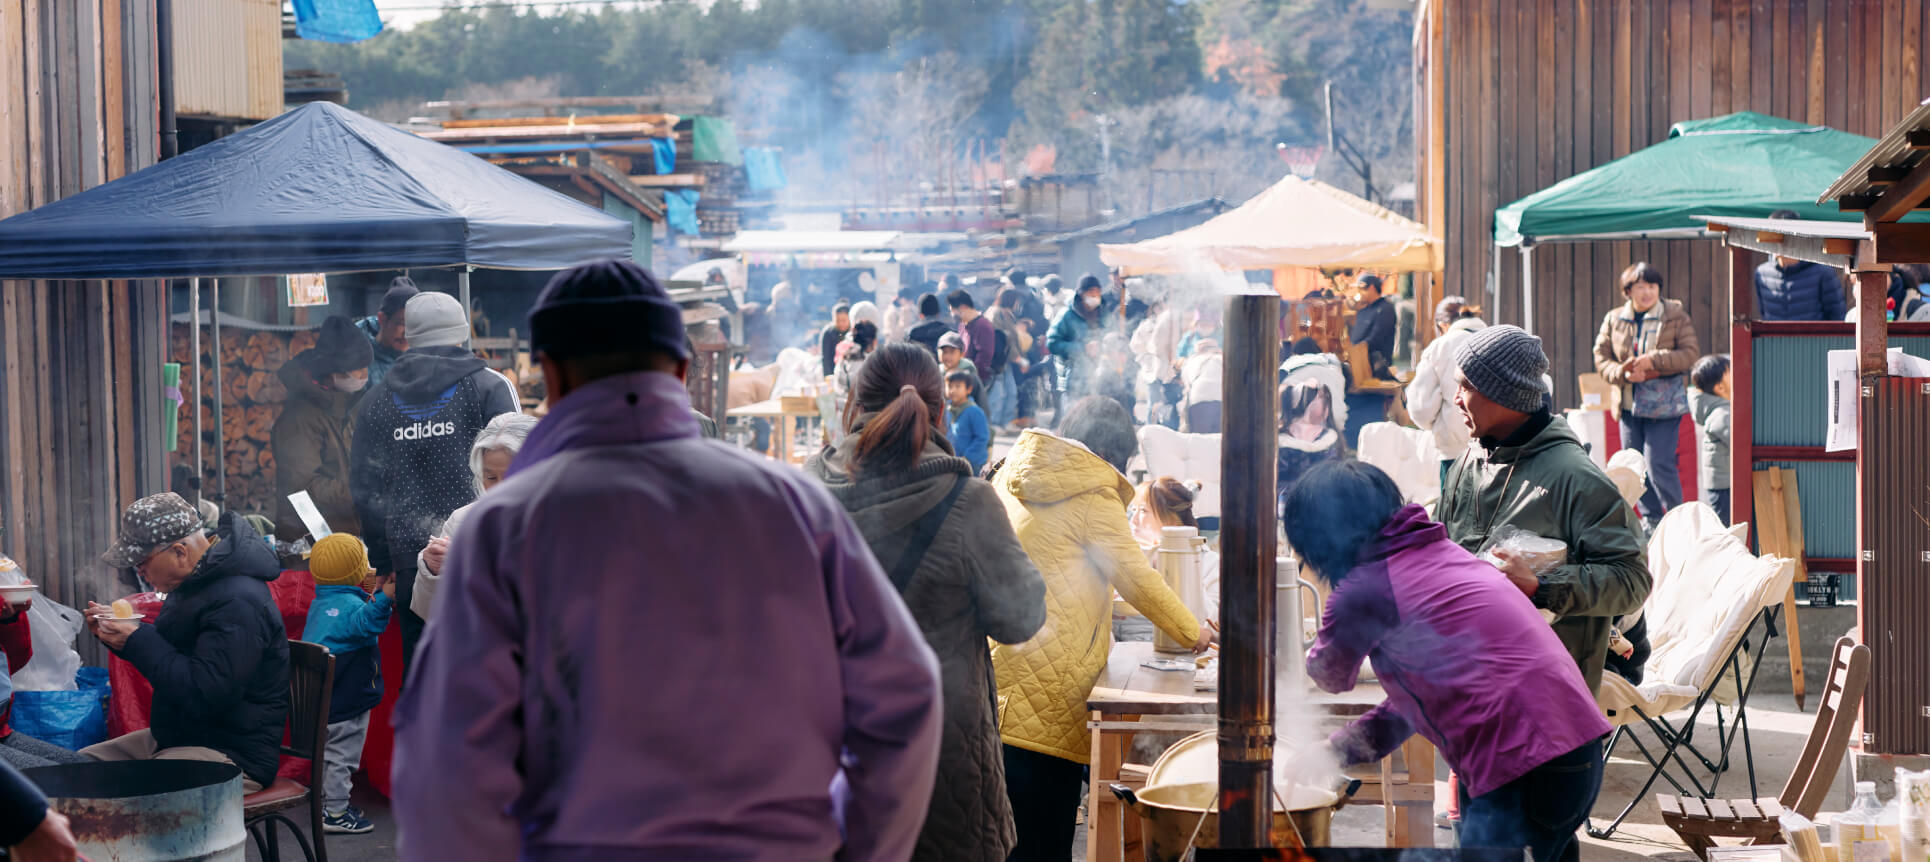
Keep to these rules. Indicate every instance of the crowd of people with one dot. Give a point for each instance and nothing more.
(886, 654)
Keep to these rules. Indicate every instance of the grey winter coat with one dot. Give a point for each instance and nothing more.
(974, 582)
(1712, 430)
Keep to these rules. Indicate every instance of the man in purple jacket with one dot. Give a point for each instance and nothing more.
(981, 340)
(652, 646)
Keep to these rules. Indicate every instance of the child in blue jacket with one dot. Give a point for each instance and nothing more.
(971, 436)
(348, 622)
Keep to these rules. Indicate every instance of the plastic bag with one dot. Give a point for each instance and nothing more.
(72, 719)
(1913, 813)
(54, 627)
(1543, 555)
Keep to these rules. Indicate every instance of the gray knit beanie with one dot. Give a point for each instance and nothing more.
(1507, 365)
(435, 320)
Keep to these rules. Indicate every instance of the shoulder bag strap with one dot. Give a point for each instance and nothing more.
(923, 531)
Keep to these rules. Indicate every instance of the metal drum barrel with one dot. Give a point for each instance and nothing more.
(149, 810)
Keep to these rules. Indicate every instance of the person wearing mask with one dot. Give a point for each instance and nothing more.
(16, 643)
(310, 438)
(801, 698)
(1645, 349)
(1066, 495)
(1430, 395)
(952, 555)
(931, 325)
(1053, 299)
(489, 460)
(978, 334)
(1077, 337)
(832, 335)
(1502, 706)
(408, 455)
(1791, 289)
(30, 831)
(1527, 470)
(217, 655)
(387, 328)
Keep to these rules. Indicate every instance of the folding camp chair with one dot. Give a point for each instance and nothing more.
(1709, 593)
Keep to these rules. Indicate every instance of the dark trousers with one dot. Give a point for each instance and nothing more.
(1718, 499)
(1045, 801)
(1539, 811)
(1656, 439)
(411, 624)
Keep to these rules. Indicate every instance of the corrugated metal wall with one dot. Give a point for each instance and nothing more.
(1790, 379)
(1896, 580)
(80, 389)
(228, 58)
(1539, 91)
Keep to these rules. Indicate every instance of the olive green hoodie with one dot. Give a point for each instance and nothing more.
(1547, 485)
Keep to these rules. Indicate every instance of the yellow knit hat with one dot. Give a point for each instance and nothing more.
(339, 559)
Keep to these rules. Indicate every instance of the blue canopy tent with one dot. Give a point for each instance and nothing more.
(318, 189)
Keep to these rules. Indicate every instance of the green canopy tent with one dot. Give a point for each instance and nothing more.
(1742, 164)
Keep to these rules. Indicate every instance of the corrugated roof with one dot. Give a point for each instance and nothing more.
(1215, 204)
(1892, 158)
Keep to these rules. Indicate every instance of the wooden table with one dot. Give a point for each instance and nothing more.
(782, 420)
(1130, 699)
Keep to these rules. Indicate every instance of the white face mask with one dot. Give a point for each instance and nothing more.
(346, 383)
(1089, 302)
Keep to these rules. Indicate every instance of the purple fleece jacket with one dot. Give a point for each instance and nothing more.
(651, 646)
(1466, 659)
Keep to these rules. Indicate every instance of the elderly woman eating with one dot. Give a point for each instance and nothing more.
(489, 459)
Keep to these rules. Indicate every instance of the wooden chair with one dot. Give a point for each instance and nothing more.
(311, 676)
(1699, 822)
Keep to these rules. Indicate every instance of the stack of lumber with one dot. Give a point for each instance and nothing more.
(251, 398)
(550, 128)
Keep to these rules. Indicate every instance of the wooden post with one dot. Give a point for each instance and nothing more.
(1742, 304)
(1248, 543)
(1872, 331)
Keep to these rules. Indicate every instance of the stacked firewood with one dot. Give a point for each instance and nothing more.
(251, 399)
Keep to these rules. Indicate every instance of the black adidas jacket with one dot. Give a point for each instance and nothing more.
(409, 460)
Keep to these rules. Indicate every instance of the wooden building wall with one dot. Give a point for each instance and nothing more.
(80, 390)
(1538, 90)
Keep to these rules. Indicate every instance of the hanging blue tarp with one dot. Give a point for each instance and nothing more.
(762, 169)
(336, 20)
(318, 189)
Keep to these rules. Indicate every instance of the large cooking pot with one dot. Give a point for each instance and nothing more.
(149, 810)
(1172, 815)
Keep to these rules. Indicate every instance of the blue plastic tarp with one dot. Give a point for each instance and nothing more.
(680, 210)
(318, 189)
(762, 169)
(336, 20)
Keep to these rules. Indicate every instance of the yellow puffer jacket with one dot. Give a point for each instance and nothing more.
(1068, 507)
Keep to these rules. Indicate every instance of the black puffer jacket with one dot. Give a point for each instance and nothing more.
(218, 655)
(974, 582)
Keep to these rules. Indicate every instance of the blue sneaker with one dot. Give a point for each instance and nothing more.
(349, 820)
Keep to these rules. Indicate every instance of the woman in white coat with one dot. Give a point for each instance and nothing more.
(1430, 395)
(489, 459)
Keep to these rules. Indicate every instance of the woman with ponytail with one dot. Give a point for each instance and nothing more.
(944, 539)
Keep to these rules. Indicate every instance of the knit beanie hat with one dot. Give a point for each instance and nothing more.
(401, 290)
(339, 559)
(1506, 364)
(606, 306)
(435, 320)
(339, 349)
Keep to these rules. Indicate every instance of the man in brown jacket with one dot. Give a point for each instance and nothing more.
(1645, 350)
(311, 437)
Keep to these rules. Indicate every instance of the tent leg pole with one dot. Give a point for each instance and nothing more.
(221, 451)
(1528, 288)
(194, 350)
(1494, 287)
(468, 315)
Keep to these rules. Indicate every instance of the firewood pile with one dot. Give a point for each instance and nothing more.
(251, 399)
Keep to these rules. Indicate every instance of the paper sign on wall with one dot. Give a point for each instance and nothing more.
(307, 289)
(1846, 390)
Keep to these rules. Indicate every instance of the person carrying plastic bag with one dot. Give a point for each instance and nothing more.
(16, 640)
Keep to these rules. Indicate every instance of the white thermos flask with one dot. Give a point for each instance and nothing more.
(1290, 651)
(1179, 565)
